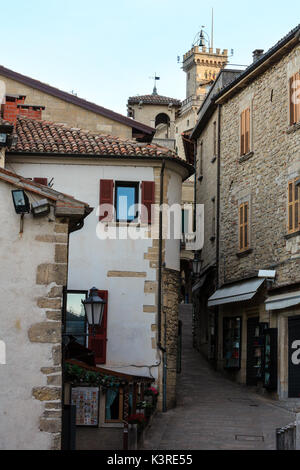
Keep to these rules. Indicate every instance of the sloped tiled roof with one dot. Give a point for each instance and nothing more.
(47, 137)
(153, 99)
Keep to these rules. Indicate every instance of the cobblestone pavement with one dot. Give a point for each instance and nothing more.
(214, 413)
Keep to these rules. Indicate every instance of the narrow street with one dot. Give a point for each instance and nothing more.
(212, 412)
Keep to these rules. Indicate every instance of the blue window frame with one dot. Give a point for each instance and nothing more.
(126, 200)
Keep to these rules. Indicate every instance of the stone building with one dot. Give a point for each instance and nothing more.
(69, 109)
(201, 65)
(158, 112)
(34, 266)
(257, 257)
(138, 273)
(205, 136)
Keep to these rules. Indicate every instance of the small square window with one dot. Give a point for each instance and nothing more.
(126, 201)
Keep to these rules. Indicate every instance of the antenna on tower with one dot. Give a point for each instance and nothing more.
(212, 29)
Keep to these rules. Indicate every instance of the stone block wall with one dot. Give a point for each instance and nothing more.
(262, 177)
(170, 292)
(53, 276)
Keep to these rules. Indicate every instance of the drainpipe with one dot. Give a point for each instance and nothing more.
(195, 184)
(218, 234)
(218, 197)
(159, 302)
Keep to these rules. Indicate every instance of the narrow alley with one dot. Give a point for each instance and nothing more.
(214, 413)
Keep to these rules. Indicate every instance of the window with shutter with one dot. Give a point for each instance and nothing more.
(293, 207)
(97, 342)
(244, 226)
(245, 132)
(43, 181)
(106, 200)
(295, 98)
(148, 195)
(126, 201)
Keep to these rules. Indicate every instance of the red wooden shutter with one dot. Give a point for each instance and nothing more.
(43, 181)
(148, 194)
(98, 342)
(106, 198)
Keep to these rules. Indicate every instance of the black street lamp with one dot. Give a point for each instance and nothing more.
(94, 309)
(197, 265)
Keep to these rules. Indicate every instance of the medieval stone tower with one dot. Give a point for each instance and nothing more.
(201, 65)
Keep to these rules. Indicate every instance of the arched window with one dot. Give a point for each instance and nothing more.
(162, 118)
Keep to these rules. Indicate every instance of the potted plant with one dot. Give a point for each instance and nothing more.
(151, 395)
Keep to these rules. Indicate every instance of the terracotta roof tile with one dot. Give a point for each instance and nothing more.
(47, 137)
(153, 99)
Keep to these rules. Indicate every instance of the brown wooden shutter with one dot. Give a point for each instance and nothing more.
(246, 226)
(148, 194)
(290, 207)
(297, 96)
(241, 226)
(43, 181)
(247, 130)
(292, 104)
(106, 198)
(98, 342)
(242, 133)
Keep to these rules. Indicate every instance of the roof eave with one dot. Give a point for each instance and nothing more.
(189, 168)
(261, 66)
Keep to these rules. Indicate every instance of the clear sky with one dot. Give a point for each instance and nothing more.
(106, 50)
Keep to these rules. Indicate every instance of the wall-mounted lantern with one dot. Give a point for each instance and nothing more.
(40, 208)
(94, 309)
(197, 265)
(21, 201)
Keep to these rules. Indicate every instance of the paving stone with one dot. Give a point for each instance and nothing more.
(211, 410)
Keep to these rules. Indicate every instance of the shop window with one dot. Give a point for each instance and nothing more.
(245, 132)
(244, 226)
(270, 358)
(232, 335)
(114, 405)
(293, 207)
(126, 201)
(295, 98)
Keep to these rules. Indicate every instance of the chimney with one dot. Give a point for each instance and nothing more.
(32, 112)
(14, 106)
(257, 54)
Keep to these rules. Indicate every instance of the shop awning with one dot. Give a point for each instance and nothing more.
(236, 292)
(277, 302)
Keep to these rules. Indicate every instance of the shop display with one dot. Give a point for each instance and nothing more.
(232, 327)
(86, 400)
